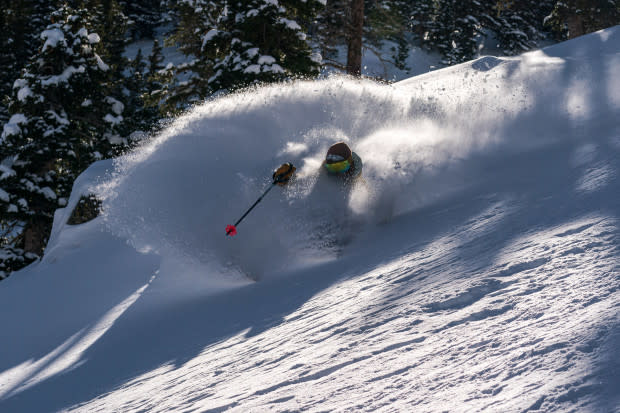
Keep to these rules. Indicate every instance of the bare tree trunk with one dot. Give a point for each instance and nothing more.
(354, 46)
(35, 237)
(575, 26)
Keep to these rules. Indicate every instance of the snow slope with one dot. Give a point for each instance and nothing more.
(475, 269)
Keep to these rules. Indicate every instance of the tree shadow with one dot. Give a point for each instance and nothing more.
(572, 172)
(148, 335)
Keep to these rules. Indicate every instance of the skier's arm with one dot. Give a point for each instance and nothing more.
(283, 174)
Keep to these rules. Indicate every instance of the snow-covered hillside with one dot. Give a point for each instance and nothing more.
(476, 268)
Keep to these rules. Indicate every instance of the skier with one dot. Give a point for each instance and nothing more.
(340, 161)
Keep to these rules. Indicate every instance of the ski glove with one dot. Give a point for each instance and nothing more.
(283, 174)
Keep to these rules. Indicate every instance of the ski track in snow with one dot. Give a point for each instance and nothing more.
(476, 269)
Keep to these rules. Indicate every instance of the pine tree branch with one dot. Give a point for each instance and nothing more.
(384, 61)
(334, 63)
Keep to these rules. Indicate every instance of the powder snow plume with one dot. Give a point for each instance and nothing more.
(420, 140)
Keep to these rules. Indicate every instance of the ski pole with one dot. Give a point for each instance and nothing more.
(280, 177)
(232, 229)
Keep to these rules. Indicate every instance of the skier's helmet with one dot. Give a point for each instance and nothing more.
(339, 158)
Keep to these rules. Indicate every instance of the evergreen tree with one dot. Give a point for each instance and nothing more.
(572, 18)
(240, 43)
(12, 39)
(147, 85)
(158, 80)
(330, 31)
(362, 25)
(517, 25)
(456, 29)
(421, 19)
(135, 119)
(144, 16)
(156, 59)
(110, 23)
(387, 20)
(62, 120)
(22, 22)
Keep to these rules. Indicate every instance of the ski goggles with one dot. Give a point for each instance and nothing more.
(338, 167)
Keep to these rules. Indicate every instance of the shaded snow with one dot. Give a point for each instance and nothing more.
(101, 64)
(6, 170)
(209, 36)
(12, 126)
(290, 24)
(63, 77)
(114, 120)
(117, 107)
(23, 93)
(93, 38)
(52, 38)
(252, 69)
(266, 60)
(48, 192)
